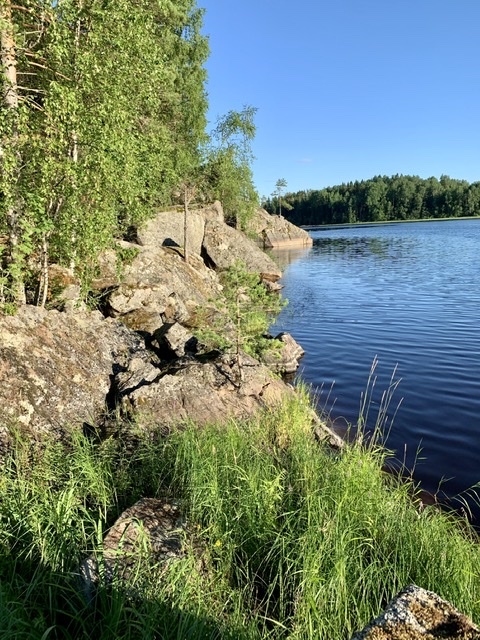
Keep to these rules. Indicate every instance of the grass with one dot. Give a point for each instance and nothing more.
(284, 538)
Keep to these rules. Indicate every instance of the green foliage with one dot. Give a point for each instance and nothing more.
(246, 312)
(111, 117)
(280, 185)
(227, 169)
(213, 337)
(283, 539)
(124, 257)
(381, 199)
(251, 307)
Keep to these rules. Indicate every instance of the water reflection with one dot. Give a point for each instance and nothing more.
(284, 257)
(365, 247)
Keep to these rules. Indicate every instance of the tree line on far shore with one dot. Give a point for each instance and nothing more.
(381, 198)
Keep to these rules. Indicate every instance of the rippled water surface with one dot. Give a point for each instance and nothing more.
(408, 294)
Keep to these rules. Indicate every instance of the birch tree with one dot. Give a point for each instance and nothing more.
(9, 154)
(228, 165)
(106, 124)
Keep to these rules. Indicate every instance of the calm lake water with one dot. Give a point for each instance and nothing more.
(409, 295)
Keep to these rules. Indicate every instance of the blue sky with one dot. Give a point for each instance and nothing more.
(349, 89)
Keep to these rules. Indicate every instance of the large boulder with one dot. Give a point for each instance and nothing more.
(56, 369)
(149, 531)
(417, 614)
(223, 246)
(159, 286)
(275, 232)
(167, 229)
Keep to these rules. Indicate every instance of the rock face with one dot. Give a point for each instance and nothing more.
(159, 287)
(286, 359)
(151, 529)
(59, 371)
(56, 369)
(203, 391)
(417, 614)
(274, 232)
(223, 246)
(167, 229)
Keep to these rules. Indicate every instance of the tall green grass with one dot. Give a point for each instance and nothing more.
(284, 538)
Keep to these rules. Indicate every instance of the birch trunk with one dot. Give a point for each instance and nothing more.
(10, 100)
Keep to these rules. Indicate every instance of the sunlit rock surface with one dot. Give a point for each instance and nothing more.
(223, 246)
(56, 369)
(275, 232)
(417, 614)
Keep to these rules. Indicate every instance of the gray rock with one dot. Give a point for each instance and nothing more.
(204, 392)
(274, 232)
(417, 614)
(167, 229)
(146, 319)
(273, 287)
(223, 246)
(213, 212)
(56, 369)
(108, 273)
(158, 287)
(286, 358)
(139, 372)
(64, 291)
(151, 530)
(176, 338)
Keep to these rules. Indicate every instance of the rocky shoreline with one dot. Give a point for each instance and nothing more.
(136, 357)
(67, 367)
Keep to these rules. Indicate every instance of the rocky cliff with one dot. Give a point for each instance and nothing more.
(67, 370)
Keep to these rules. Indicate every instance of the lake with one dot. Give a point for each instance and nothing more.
(407, 294)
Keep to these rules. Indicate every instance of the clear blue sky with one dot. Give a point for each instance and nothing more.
(349, 89)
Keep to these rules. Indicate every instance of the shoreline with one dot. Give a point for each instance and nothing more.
(352, 225)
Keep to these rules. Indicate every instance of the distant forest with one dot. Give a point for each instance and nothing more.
(381, 198)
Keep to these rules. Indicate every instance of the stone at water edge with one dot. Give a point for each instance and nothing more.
(286, 358)
(275, 232)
